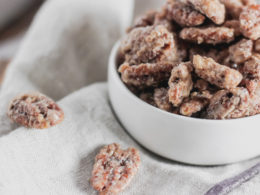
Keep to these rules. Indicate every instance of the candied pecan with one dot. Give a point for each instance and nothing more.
(195, 103)
(213, 9)
(114, 169)
(241, 51)
(227, 104)
(252, 67)
(34, 110)
(147, 97)
(219, 75)
(209, 35)
(161, 99)
(233, 7)
(257, 45)
(191, 107)
(148, 45)
(180, 83)
(234, 24)
(250, 22)
(183, 14)
(145, 75)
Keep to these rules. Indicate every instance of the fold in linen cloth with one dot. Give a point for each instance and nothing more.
(64, 56)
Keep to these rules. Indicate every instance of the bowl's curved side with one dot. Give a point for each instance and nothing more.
(193, 141)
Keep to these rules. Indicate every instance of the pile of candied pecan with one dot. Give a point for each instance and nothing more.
(198, 58)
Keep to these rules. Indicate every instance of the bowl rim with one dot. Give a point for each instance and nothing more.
(112, 62)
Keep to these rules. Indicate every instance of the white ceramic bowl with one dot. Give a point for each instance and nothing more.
(184, 139)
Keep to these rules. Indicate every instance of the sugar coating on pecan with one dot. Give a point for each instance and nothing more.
(227, 104)
(161, 99)
(213, 9)
(233, 7)
(250, 21)
(35, 110)
(241, 51)
(180, 83)
(234, 24)
(114, 169)
(148, 45)
(183, 13)
(252, 67)
(209, 35)
(146, 75)
(219, 75)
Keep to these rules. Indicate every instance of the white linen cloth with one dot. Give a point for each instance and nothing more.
(67, 48)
